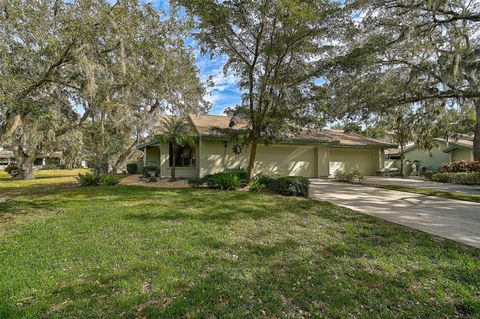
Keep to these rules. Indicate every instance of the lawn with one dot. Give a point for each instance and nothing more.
(134, 252)
(431, 192)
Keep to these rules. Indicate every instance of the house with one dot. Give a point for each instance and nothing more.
(460, 150)
(7, 157)
(443, 151)
(310, 154)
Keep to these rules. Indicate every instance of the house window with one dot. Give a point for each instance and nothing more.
(186, 156)
(3, 161)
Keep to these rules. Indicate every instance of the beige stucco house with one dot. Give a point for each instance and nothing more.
(311, 154)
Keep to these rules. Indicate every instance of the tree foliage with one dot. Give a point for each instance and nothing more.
(275, 48)
(420, 53)
(111, 68)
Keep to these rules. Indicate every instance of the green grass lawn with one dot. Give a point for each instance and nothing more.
(134, 252)
(432, 192)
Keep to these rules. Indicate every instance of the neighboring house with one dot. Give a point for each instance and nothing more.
(444, 151)
(460, 150)
(7, 157)
(310, 154)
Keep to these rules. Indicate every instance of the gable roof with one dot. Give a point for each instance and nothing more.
(459, 144)
(204, 125)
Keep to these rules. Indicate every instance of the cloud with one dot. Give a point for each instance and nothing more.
(225, 92)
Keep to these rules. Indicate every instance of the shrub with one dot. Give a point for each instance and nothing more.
(291, 185)
(109, 180)
(196, 182)
(428, 174)
(87, 179)
(269, 180)
(457, 178)
(352, 177)
(152, 179)
(148, 169)
(461, 166)
(256, 186)
(227, 180)
(132, 168)
(241, 173)
(12, 169)
(213, 180)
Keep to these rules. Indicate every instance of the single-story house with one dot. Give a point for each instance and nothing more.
(443, 151)
(310, 154)
(7, 157)
(460, 150)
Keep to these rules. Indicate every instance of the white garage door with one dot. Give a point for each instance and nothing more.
(352, 159)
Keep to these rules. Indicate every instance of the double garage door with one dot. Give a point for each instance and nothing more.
(352, 159)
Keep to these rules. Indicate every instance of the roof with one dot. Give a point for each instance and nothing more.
(6, 154)
(459, 144)
(353, 139)
(204, 125)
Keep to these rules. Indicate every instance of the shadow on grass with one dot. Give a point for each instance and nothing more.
(278, 280)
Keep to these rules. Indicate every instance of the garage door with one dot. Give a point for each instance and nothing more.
(351, 159)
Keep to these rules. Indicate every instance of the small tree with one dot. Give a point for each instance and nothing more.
(178, 132)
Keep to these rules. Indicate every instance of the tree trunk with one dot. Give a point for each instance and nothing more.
(174, 158)
(251, 160)
(402, 158)
(476, 136)
(123, 158)
(24, 161)
(25, 168)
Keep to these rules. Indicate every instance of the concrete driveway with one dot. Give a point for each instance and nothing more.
(448, 218)
(422, 183)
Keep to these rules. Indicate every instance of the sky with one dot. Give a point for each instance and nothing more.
(225, 92)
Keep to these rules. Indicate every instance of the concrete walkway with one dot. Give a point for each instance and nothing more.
(422, 183)
(448, 218)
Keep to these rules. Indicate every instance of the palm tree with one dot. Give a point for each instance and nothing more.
(178, 132)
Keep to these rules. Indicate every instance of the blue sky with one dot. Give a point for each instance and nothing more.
(225, 92)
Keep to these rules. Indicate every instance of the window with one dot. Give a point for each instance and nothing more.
(186, 156)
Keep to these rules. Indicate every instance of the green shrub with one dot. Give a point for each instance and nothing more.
(87, 179)
(152, 179)
(457, 178)
(226, 181)
(241, 173)
(148, 169)
(196, 182)
(256, 186)
(12, 169)
(109, 180)
(428, 174)
(291, 185)
(132, 168)
(225, 177)
(268, 180)
(352, 177)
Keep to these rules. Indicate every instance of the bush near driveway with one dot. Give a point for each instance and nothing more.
(354, 177)
(286, 185)
(457, 178)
